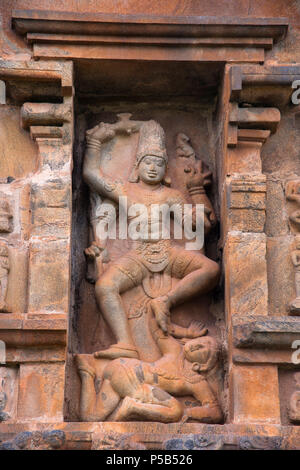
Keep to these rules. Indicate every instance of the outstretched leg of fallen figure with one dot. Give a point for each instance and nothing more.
(160, 406)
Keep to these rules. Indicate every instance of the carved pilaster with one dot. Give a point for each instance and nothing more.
(245, 257)
(39, 245)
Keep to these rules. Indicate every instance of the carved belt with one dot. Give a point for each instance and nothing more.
(154, 255)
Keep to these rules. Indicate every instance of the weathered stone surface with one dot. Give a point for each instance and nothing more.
(282, 357)
(276, 215)
(292, 192)
(16, 297)
(51, 208)
(264, 332)
(261, 443)
(41, 392)
(261, 402)
(29, 335)
(281, 283)
(49, 276)
(245, 199)
(244, 158)
(184, 436)
(25, 211)
(36, 440)
(54, 155)
(294, 405)
(245, 274)
(116, 441)
(195, 442)
(251, 117)
(44, 114)
(8, 392)
(18, 152)
(6, 215)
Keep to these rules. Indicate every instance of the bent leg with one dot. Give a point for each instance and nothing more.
(87, 392)
(120, 277)
(210, 410)
(106, 402)
(160, 406)
(198, 275)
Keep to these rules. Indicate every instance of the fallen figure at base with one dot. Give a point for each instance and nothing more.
(186, 368)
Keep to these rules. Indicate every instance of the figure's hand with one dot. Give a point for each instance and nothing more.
(196, 177)
(196, 329)
(125, 126)
(92, 251)
(102, 132)
(162, 321)
(161, 313)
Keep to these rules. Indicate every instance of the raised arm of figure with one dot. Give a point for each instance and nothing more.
(197, 181)
(93, 175)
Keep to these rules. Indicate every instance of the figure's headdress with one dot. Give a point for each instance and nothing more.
(151, 142)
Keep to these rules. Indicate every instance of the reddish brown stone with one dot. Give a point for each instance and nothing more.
(41, 392)
(246, 275)
(261, 402)
(223, 82)
(49, 276)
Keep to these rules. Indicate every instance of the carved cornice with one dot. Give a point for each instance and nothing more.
(265, 332)
(270, 85)
(60, 73)
(73, 35)
(251, 124)
(44, 120)
(34, 337)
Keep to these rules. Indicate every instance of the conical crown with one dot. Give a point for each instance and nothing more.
(151, 141)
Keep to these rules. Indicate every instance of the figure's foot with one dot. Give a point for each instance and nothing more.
(125, 410)
(84, 366)
(118, 350)
(161, 311)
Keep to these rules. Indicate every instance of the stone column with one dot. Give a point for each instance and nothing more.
(253, 389)
(35, 332)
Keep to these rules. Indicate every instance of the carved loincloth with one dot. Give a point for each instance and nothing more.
(161, 262)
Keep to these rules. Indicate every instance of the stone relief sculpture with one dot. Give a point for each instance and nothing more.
(5, 215)
(294, 306)
(4, 270)
(3, 401)
(147, 388)
(293, 196)
(294, 409)
(8, 392)
(161, 274)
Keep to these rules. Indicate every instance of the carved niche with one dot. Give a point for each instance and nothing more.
(157, 369)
